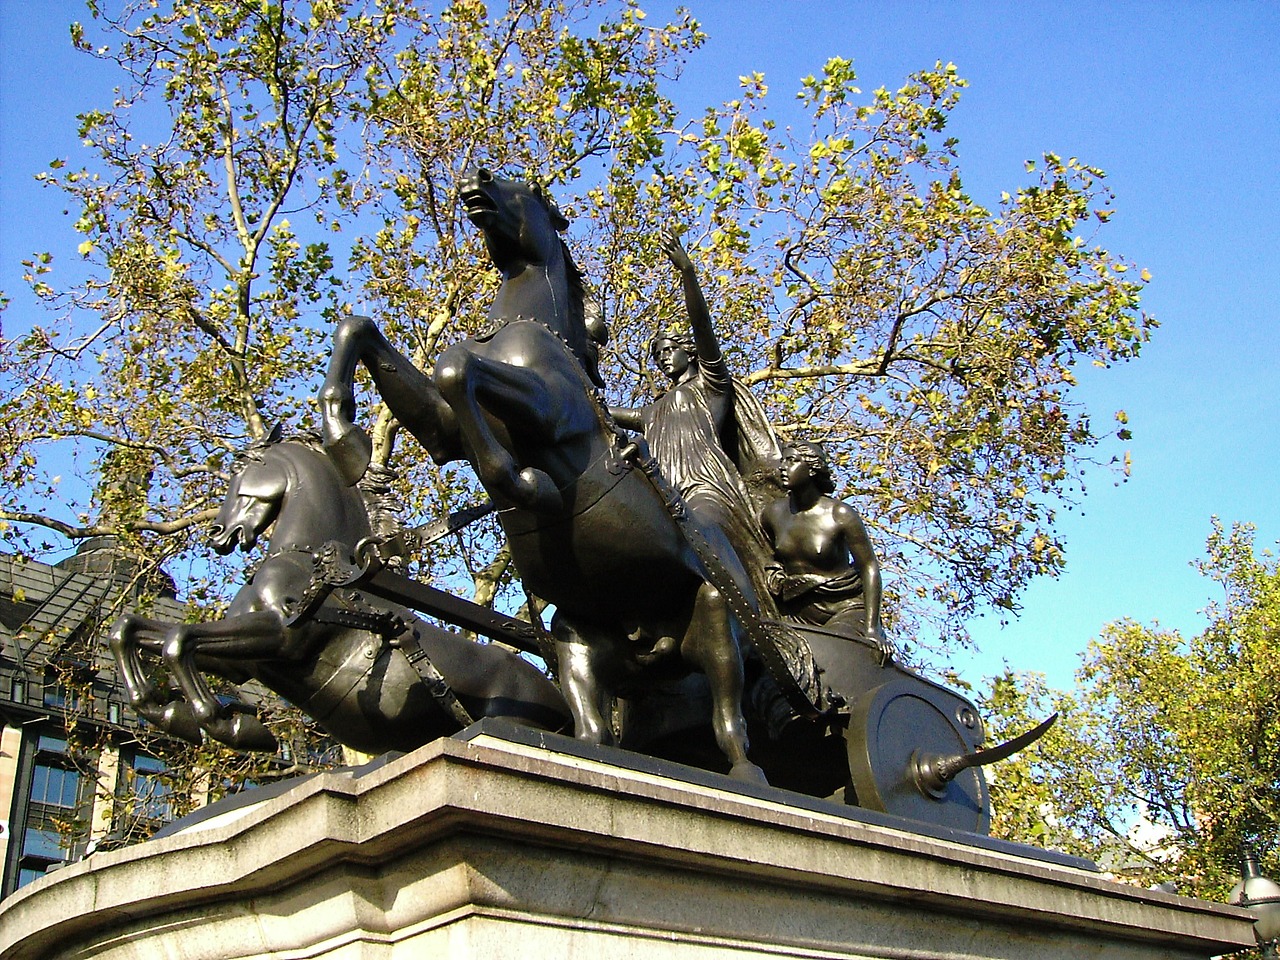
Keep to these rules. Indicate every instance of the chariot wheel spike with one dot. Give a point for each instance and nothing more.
(933, 772)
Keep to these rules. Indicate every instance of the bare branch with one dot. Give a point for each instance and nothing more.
(73, 532)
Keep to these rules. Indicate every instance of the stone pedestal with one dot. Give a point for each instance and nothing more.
(492, 847)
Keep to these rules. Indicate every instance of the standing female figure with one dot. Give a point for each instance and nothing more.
(706, 431)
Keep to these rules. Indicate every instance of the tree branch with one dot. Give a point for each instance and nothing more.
(72, 532)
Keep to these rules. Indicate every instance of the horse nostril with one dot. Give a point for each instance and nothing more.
(484, 175)
(215, 530)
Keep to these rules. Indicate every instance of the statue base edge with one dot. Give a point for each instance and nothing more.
(507, 843)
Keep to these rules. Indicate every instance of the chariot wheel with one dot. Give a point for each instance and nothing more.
(897, 732)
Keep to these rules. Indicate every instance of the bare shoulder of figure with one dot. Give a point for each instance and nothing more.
(842, 512)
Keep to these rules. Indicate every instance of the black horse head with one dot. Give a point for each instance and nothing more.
(521, 226)
(264, 477)
(518, 219)
(520, 222)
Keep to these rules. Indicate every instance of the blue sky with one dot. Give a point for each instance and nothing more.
(1178, 102)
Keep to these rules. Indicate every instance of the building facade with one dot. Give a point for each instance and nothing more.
(74, 777)
(76, 774)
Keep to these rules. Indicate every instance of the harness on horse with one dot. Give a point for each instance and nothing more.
(332, 568)
(384, 623)
(434, 680)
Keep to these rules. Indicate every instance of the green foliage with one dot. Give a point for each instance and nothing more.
(561, 93)
(1166, 764)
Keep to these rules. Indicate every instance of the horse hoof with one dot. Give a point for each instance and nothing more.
(538, 492)
(242, 731)
(748, 772)
(250, 734)
(598, 738)
(351, 451)
(177, 718)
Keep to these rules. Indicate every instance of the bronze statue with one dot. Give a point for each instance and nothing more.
(654, 604)
(372, 674)
(830, 576)
(643, 590)
(706, 430)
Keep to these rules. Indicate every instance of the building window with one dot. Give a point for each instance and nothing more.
(55, 786)
(61, 691)
(26, 875)
(46, 844)
(144, 800)
(56, 828)
(151, 792)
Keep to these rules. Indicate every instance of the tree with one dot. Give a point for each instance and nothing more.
(873, 304)
(248, 147)
(1166, 764)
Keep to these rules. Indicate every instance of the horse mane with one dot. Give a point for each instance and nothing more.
(381, 502)
(577, 289)
(308, 438)
(256, 450)
(574, 277)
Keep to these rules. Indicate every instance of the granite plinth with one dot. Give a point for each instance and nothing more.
(496, 848)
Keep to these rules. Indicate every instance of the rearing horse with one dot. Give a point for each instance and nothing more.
(588, 530)
(355, 664)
